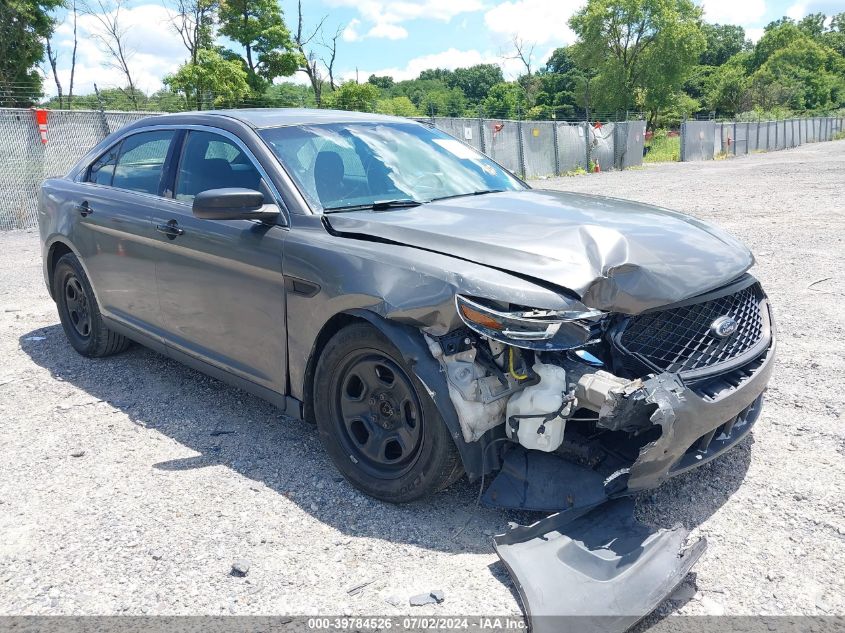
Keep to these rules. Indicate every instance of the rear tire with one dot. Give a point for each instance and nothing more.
(79, 312)
(376, 420)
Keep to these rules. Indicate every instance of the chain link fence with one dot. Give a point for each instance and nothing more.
(706, 140)
(534, 149)
(25, 161)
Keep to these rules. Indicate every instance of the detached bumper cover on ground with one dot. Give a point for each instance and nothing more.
(606, 569)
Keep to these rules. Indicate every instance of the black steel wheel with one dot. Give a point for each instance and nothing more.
(76, 305)
(79, 313)
(378, 413)
(377, 422)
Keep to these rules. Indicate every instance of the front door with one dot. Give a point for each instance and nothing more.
(220, 283)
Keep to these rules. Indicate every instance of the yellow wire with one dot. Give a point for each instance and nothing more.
(511, 369)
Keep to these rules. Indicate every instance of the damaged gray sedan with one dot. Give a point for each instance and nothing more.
(432, 313)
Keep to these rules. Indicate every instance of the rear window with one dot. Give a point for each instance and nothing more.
(135, 164)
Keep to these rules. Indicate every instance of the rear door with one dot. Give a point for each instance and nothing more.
(220, 283)
(113, 208)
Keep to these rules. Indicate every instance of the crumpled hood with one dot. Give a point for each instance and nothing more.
(617, 255)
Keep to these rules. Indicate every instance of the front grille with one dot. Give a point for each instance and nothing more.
(679, 340)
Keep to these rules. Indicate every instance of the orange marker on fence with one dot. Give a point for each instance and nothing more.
(41, 121)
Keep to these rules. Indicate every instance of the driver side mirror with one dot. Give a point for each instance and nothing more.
(234, 203)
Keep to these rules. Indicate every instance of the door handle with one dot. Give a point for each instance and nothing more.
(84, 209)
(171, 229)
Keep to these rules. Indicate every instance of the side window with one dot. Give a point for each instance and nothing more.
(102, 169)
(211, 161)
(141, 161)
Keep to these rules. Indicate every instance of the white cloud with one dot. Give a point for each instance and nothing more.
(155, 50)
(381, 11)
(537, 21)
(754, 34)
(350, 33)
(451, 58)
(797, 10)
(386, 16)
(742, 12)
(388, 31)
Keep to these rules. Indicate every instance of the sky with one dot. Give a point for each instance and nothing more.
(397, 38)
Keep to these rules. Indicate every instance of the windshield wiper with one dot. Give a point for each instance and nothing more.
(480, 192)
(378, 205)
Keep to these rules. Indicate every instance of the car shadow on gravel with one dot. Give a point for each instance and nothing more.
(229, 427)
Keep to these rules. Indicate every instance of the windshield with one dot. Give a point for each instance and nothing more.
(343, 166)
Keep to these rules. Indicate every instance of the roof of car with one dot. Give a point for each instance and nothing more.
(276, 117)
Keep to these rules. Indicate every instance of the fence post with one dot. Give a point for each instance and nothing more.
(683, 151)
(776, 134)
(520, 149)
(556, 147)
(757, 142)
(800, 142)
(482, 144)
(587, 144)
(747, 134)
(103, 121)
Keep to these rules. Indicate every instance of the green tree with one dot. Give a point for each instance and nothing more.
(354, 96)
(443, 102)
(288, 94)
(24, 27)
(642, 51)
(728, 85)
(397, 106)
(437, 74)
(258, 26)
(476, 81)
(723, 42)
(561, 85)
(384, 83)
(813, 24)
(211, 80)
(777, 35)
(803, 75)
(835, 35)
(505, 101)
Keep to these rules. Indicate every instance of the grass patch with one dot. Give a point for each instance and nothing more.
(578, 171)
(839, 136)
(664, 148)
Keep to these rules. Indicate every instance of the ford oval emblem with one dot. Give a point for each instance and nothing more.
(724, 326)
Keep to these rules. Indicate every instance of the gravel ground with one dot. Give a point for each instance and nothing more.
(130, 485)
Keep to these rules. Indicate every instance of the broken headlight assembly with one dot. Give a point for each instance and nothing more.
(534, 329)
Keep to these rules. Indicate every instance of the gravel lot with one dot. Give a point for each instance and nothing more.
(130, 485)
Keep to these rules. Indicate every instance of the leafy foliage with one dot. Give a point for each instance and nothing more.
(24, 25)
(642, 50)
(354, 96)
(211, 80)
(257, 25)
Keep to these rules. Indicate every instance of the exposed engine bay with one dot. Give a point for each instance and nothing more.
(636, 399)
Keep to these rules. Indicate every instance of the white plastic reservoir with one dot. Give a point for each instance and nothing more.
(541, 399)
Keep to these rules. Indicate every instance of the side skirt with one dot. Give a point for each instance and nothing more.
(290, 406)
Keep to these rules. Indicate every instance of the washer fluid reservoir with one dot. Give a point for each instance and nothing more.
(539, 401)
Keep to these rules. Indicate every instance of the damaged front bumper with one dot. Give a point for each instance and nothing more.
(592, 566)
(694, 425)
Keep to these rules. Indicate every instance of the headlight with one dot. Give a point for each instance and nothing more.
(532, 329)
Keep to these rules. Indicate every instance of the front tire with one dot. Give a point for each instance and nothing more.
(79, 312)
(376, 420)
